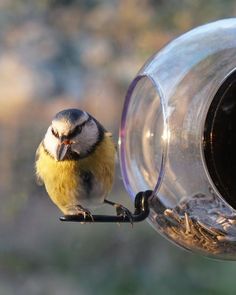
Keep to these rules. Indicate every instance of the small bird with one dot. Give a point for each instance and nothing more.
(76, 163)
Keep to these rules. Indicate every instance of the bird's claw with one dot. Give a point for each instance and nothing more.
(123, 211)
(85, 212)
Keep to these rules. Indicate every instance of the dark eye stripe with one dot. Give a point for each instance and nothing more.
(55, 133)
(77, 130)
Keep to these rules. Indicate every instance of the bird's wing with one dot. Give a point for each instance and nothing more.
(39, 180)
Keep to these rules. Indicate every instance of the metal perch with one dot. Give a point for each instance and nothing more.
(141, 212)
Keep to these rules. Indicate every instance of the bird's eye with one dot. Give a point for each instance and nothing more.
(76, 131)
(55, 133)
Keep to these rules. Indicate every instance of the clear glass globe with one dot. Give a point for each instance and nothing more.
(178, 138)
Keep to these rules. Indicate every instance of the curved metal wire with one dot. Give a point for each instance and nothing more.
(141, 212)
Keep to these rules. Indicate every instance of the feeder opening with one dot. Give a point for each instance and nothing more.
(220, 140)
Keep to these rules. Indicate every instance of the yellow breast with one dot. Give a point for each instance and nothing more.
(62, 178)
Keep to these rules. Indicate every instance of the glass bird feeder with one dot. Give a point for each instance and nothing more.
(178, 138)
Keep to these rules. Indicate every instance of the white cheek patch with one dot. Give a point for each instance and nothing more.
(51, 143)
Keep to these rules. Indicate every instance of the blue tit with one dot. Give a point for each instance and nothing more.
(76, 163)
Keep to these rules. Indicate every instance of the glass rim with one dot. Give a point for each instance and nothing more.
(122, 134)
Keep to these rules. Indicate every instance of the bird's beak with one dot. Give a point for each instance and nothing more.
(62, 149)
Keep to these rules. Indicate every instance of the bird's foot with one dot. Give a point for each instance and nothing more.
(121, 211)
(85, 212)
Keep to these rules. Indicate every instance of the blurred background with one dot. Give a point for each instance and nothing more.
(84, 54)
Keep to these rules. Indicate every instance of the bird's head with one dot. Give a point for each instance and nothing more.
(73, 134)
